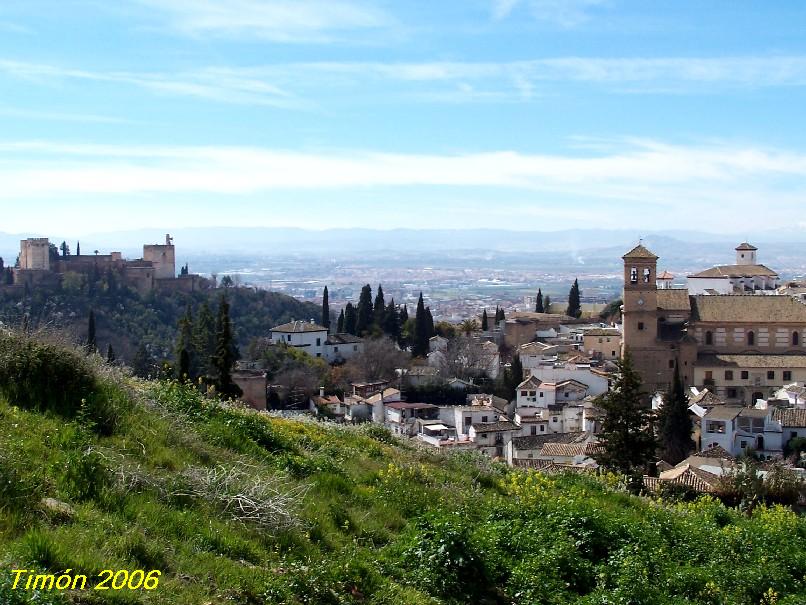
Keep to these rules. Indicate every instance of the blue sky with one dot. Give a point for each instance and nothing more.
(522, 114)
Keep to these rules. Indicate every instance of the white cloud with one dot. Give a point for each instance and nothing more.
(302, 85)
(732, 182)
(272, 20)
(564, 13)
(502, 8)
(215, 84)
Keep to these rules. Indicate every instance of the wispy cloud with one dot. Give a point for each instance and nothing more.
(564, 13)
(289, 21)
(305, 85)
(214, 84)
(728, 179)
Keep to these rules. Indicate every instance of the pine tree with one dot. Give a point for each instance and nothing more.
(325, 310)
(350, 319)
(674, 424)
(539, 308)
(224, 359)
(110, 355)
(204, 340)
(365, 311)
(485, 325)
(419, 346)
(391, 321)
(92, 344)
(379, 309)
(627, 437)
(340, 323)
(574, 309)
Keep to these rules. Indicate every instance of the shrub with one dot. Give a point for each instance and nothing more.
(42, 376)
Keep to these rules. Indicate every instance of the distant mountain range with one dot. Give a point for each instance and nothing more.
(678, 248)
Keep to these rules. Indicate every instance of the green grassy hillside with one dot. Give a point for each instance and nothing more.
(236, 507)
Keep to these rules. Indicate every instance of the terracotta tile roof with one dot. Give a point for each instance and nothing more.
(602, 332)
(746, 246)
(706, 398)
(404, 405)
(748, 309)
(690, 476)
(751, 361)
(675, 299)
(530, 382)
(494, 427)
(715, 452)
(666, 275)
(570, 450)
(299, 326)
(639, 252)
(342, 339)
(723, 412)
(736, 271)
(790, 417)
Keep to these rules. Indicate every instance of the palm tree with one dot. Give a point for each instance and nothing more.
(469, 326)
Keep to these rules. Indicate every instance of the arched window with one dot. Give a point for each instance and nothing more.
(633, 275)
(751, 338)
(795, 339)
(709, 338)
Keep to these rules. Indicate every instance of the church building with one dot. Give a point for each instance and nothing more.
(741, 347)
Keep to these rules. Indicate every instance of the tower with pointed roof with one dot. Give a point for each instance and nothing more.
(640, 298)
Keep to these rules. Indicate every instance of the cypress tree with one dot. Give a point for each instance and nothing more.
(340, 323)
(78, 248)
(110, 354)
(65, 249)
(2, 264)
(674, 423)
(350, 319)
(92, 344)
(404, 314)
(365, 310)
(484, 322)
(574, 308)
(419, 347)
(499, 316)
(391, 321)
(183, 370)
(224, 359)
(142, 362)
(513, 376)
(184, 343)
(539, 302)
(379, 309)
(627, 437)
(325, 310)
(547, 303)
(429, 325)
(204, 340)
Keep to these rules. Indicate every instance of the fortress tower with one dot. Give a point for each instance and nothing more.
(163, 258)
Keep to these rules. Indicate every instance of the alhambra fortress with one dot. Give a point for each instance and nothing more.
(42, 265)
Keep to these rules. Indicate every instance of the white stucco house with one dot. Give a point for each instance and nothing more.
(315, 340)
(737, 429)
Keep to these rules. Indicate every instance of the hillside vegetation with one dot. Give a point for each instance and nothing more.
(125, 319)
(233, 506)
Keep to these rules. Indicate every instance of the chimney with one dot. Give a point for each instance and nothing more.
(322, 392)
